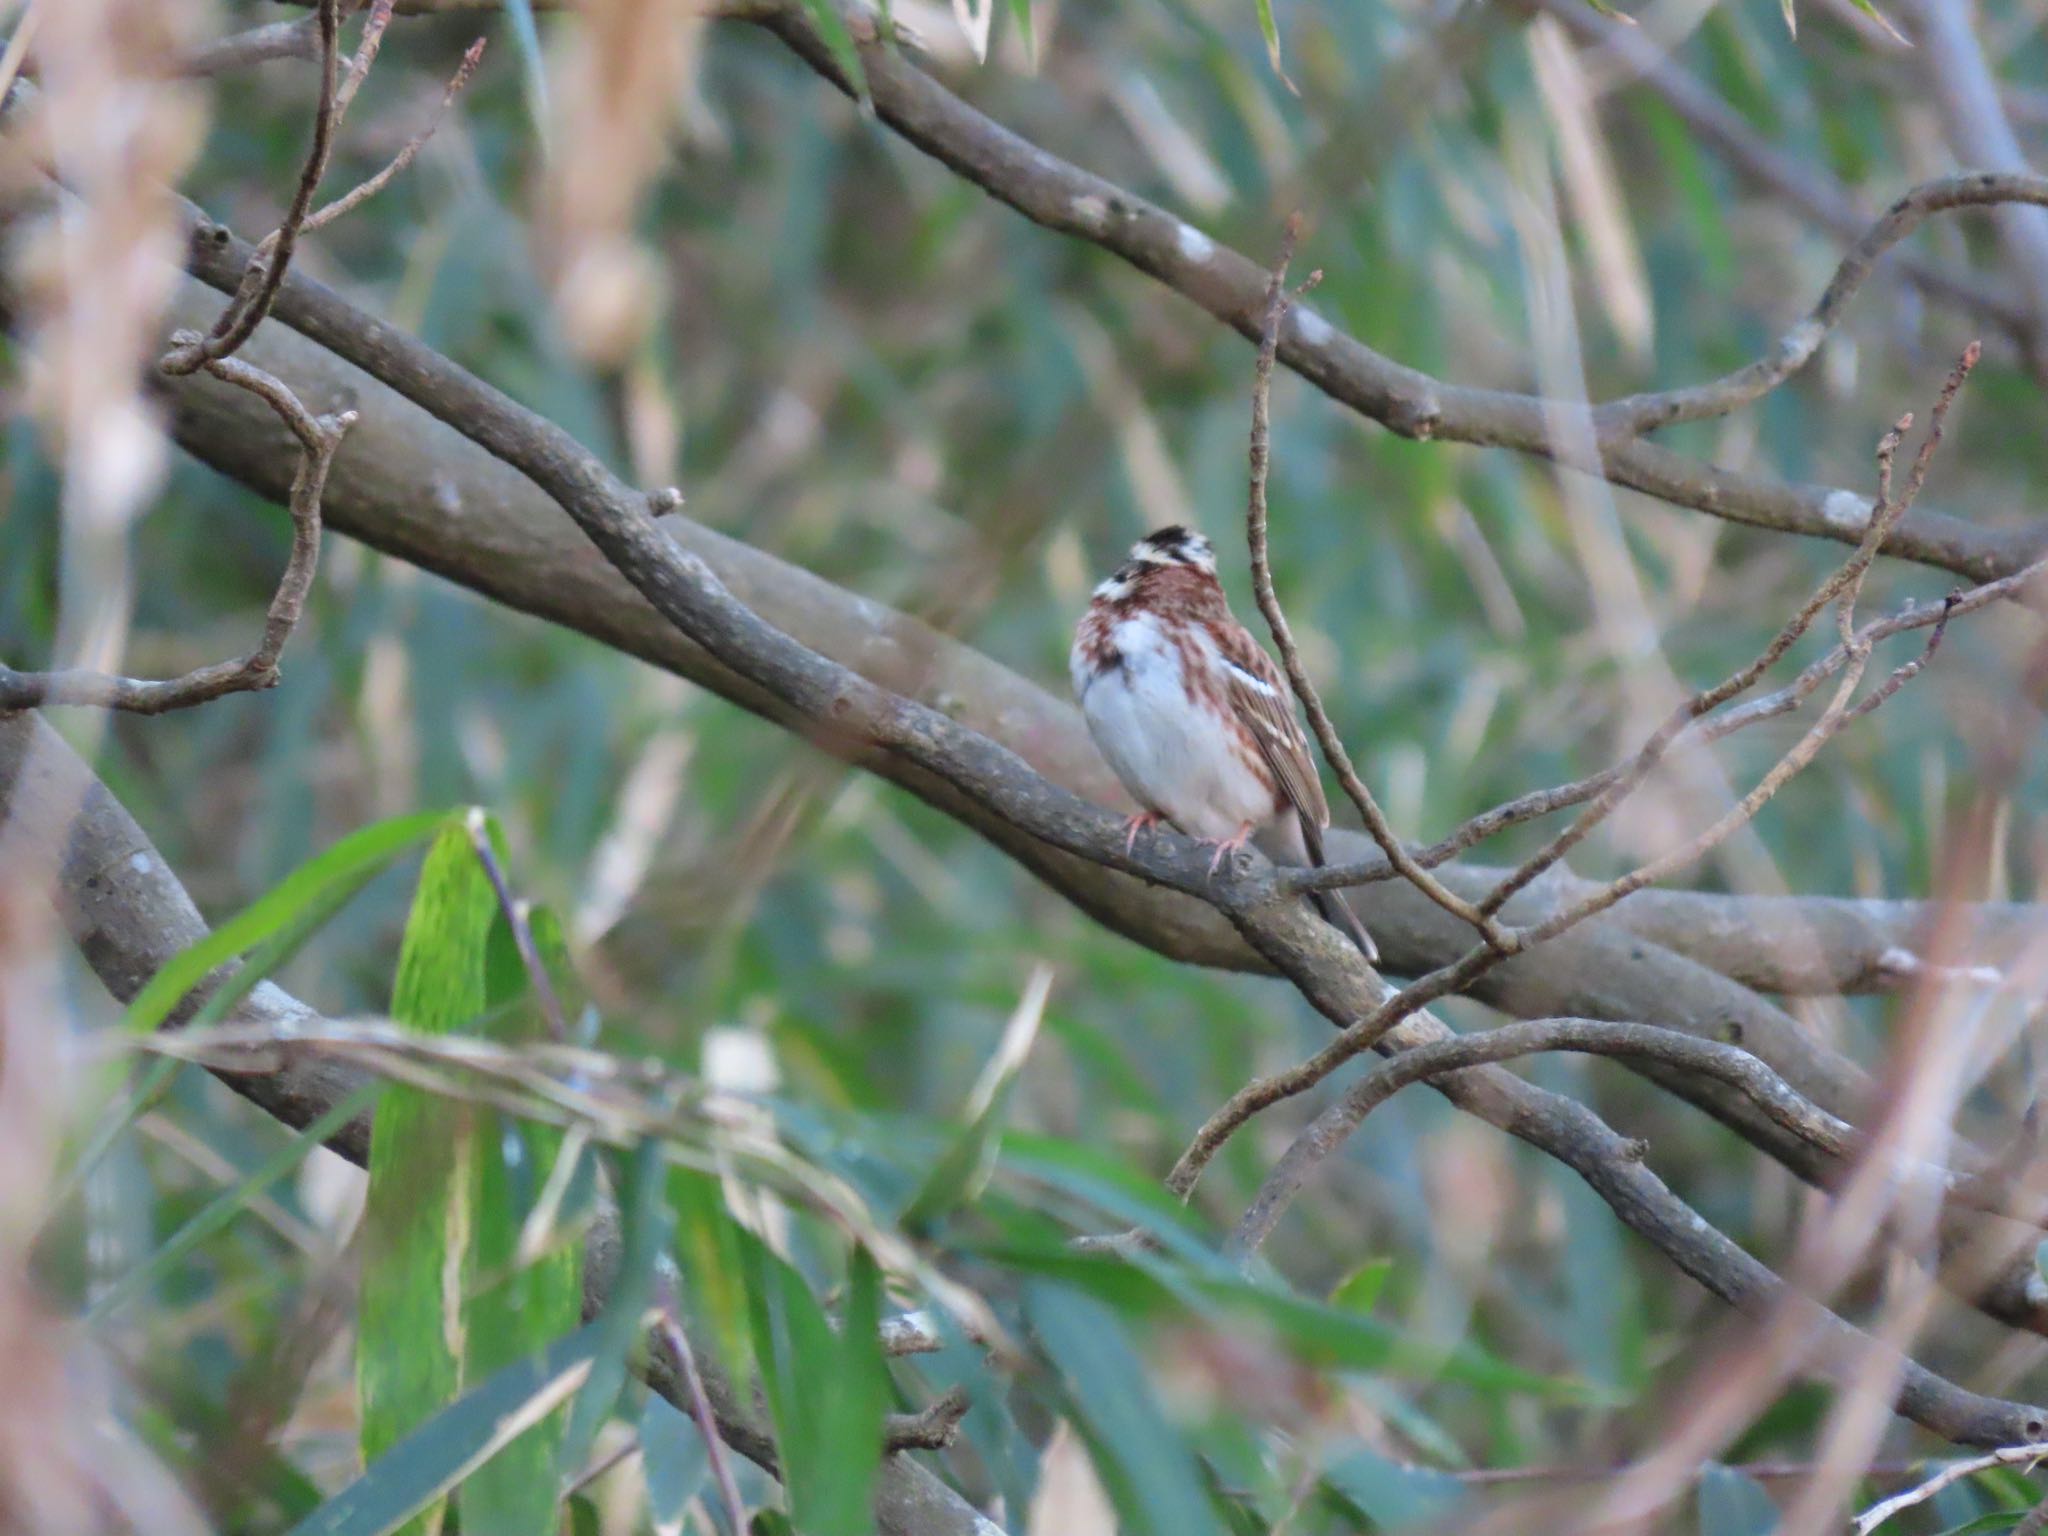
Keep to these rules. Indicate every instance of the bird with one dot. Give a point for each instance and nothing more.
(1195, 718)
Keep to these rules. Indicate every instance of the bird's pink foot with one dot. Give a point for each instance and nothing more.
(1229, 845)
(1144, 821)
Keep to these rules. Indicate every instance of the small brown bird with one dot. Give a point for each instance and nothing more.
(1195, 717)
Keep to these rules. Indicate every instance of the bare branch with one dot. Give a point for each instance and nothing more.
(367, 46)
(1062, 197)
(2024, 1456)
(319, 439)
(671, 1329)
(265, 272)
(258, 45)
(1283, 635)
(1726, 1063)
(362, 193)
(1840, 588)
(931, 1428)
(1807, 188)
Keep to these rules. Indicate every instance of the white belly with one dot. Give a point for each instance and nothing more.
(1174, 756)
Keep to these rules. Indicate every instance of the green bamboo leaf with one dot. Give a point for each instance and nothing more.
(1360, 1290)
(520, 1301)
(533, 70)
(644, 1223)
(676, 1460)
(417, 1471)
(229, 1203)
(831, 27)
(423, 1168)
(851, 1410)
(1020, 13)
(963, 1170)
(1394, 1496)
(827, 1423)
(346, 866)
(1149, 1470)
(1869, 8)
(1732, 1503)
(713, 1267)
(1269, 29)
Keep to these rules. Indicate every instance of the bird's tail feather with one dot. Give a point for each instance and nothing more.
(1332, 905)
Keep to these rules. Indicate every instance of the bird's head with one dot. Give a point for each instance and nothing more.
(1165, 549)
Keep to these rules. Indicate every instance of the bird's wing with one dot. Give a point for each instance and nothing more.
(1260, 698)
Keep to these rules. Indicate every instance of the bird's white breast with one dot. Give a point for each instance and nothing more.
(1168, 744)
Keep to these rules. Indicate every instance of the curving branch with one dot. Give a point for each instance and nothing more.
(1062, 197)
(1314, 1144)
(1807, 189)
(319, 439)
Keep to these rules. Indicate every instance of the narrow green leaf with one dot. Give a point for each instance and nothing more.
(1020, 13)
(850, 1411)
(1393, 1495)
(346, 865)
(151, 1084)
(1360, 1290)
(1149, 1470)
(225, 1206)
(1982, 1525)
(827, 1423)
(831, 27)
(1314, 1331)
(519, 1302)
(533, 71)
(963, 1170)
(1732, 1503)
(1791, 16)
(1269, 29)
(418, 1470)
(643, 1233)
(676, 1461)
(708, 1252)
(420, 1211)
(1868, 8)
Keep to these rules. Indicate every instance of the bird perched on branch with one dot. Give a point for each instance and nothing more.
(1195, 717)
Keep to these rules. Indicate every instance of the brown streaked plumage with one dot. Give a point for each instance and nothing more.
(1194, 716)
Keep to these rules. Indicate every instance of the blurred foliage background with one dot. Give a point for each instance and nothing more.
(859, 362)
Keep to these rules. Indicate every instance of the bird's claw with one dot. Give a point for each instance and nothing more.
(1144, 821)
(1228, 846)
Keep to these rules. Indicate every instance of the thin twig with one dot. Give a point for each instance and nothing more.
(700, 1406)
(1840, 587)
(518, 917)
(319, 439)
(265, 274)
(1542, 802)
(602, 1465)
(258, 45)
(1283, 635)
(1954, 1472)
(1729, 1064)
(931, 1428)
(367, 44)
(363, 192)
